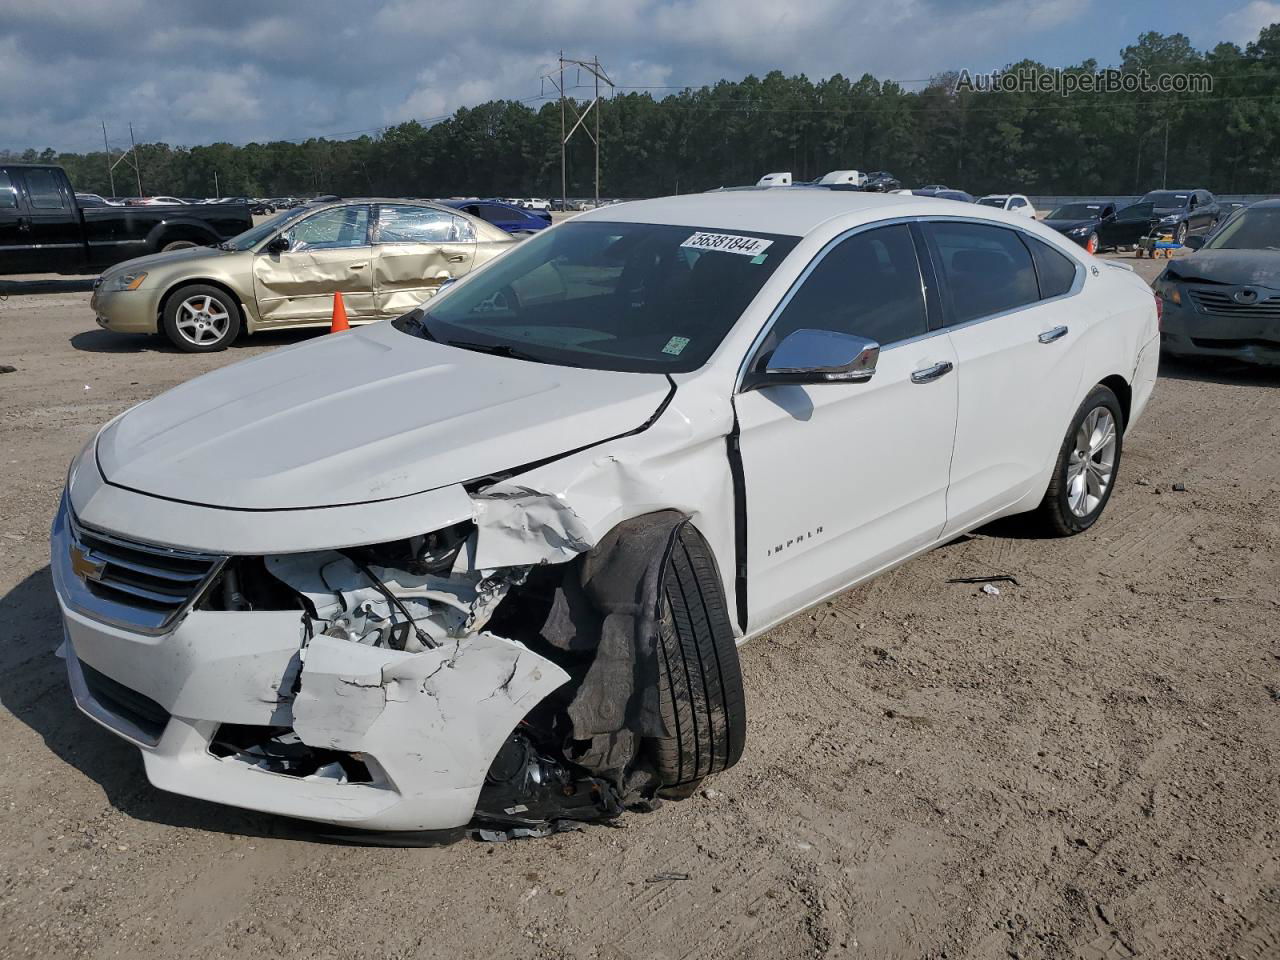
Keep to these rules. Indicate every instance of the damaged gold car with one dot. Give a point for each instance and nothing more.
(383, 256)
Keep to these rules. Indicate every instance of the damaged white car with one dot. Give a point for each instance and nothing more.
(490, 562)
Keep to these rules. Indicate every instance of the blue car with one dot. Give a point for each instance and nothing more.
(509, 217)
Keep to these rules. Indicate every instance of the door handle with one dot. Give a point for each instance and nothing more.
(356, 266)
(929, 374)
(1057, 333)
(457, 258)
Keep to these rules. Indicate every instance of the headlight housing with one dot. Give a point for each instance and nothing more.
(1173, 218)
(129, 280)
(1080, 231)
(1167, 291)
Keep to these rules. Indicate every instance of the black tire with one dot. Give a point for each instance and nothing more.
(178, 245)
(1055, 515)
(700, 678)
(169, 322)
(1180, 235)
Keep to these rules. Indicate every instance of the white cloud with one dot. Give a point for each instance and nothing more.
(1243, 26)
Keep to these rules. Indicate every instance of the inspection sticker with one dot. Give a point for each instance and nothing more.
(728, 243)
(675, 345)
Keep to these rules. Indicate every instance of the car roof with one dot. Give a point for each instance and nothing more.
(794, 211)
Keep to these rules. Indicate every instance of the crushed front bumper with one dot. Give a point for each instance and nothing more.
(426, 725)
(1250, 335)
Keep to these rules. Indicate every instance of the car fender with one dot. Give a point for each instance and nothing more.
(184, 228)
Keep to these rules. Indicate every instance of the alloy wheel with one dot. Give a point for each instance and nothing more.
(202, 320)
(1092, 463)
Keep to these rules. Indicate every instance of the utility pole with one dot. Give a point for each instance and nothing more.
(111, 170)
(136, 171)
(217, 193)
(593, 67)
(1164, 185)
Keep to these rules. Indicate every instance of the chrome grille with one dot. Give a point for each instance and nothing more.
(1219, 303)
(135, 585)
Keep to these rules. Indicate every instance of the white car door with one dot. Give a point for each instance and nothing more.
(1017, 372)
(842, 479)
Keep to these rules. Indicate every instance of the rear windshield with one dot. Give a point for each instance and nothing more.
(1166, 199)
(638, 297)
(1076, 211)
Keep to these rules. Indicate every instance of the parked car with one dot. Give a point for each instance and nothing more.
(1181, 213)
(261, 207)
(510, 218)
(1010, 202)
(881, 181)
(1079, 221)
(945, 193)
(491, 561)
(43, 227)
(383, 256)
(155, 202)
(92, 200)
(1223, 301)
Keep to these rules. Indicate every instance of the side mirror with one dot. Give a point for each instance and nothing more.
(277, 244)
(819, 356)
(1194, 243)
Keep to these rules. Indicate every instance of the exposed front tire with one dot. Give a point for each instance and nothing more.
(1091, 244)
(201, 319)
(700, 678)
(1087, 466)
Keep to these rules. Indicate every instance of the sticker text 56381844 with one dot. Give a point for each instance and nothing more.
(728, 243)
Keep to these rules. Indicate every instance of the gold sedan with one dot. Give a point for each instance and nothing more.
(384, 256)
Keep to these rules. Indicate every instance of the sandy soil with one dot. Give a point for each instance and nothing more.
(1085, 766)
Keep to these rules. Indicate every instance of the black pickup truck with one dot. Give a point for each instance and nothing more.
(44, 230)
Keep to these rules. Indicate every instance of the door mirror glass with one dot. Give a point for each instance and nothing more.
(821, 356)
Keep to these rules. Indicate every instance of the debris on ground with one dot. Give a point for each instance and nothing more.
(991, 590)
(1179, 488)
(8, 368)
(990, 578)
(664, 877)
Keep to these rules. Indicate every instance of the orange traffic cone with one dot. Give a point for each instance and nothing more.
(339, 322)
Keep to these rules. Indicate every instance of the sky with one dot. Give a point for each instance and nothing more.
(189, 72)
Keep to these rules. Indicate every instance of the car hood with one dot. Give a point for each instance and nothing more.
(154, 260)
(369, 415)
(1258, 267)
(1064, 225)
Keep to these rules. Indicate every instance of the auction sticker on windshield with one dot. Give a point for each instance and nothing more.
(728, 243)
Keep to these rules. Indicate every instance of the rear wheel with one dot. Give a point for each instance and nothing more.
(178, 245)
(1092, 243)
(1087, 467)
(700, 679)
(201, 319)
(1180, 235)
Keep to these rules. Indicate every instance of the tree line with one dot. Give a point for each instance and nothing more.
(1226, 139)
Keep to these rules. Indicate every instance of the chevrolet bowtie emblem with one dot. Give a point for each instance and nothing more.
(85, 567)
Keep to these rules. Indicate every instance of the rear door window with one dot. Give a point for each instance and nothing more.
(332, 229)
(406, 224)
(44, 192)
(987, 269)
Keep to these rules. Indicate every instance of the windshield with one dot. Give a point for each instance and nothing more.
(1136, 211)
(1166, 199)
(1076, 211)
(992, 202)
(1249, 230)
(637, 297)
(255, 235)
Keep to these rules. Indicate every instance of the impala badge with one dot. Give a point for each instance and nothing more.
(84, 566)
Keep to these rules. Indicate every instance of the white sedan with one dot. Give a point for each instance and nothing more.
(1012, 202)
(489, 562)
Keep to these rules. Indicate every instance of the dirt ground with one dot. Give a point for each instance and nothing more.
(1085, 766)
